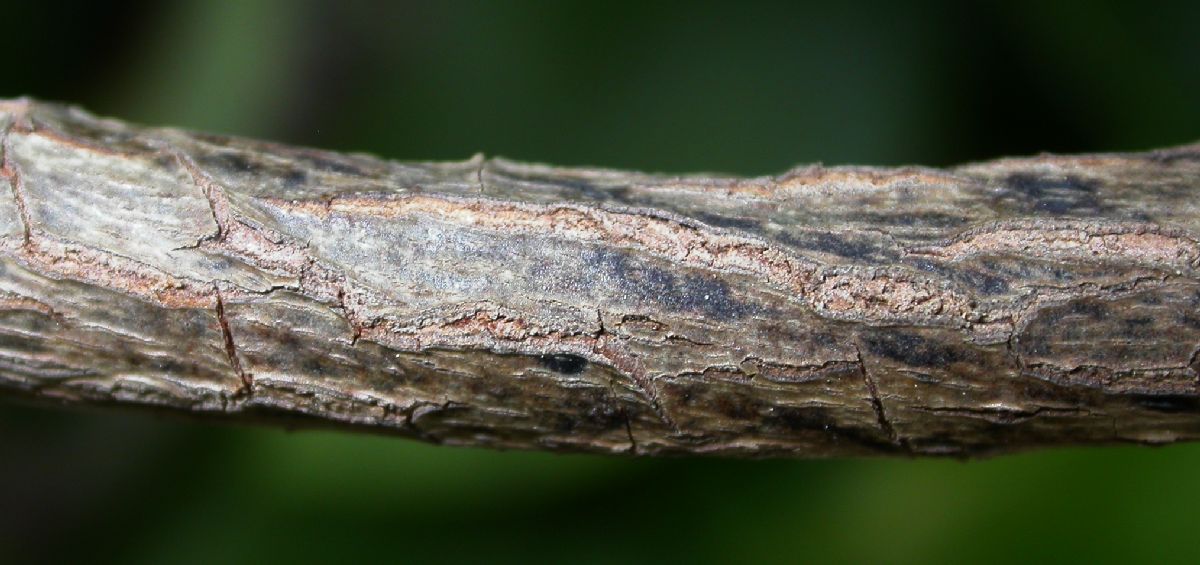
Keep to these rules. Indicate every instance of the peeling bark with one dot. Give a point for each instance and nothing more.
(823, 312)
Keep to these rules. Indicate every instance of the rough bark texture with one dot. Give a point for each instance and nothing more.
(824, 311)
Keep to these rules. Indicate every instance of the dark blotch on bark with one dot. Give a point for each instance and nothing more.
(294, 178)
(912, 349)
(685, 291)
(564, 363)
(1168, 403)
(842, 245)
(231, 162)
(1069, 195)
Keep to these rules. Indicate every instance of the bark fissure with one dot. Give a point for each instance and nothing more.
(210, 191)
(13, 174)
(230, 348)
(825, 311)
(877, 402)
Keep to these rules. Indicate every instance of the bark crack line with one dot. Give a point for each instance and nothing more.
(1194, 365)
(633, 447)
(230, 348)
(614, 356)
(9, 169)
(877, 402)
(356, 327)
(479, 171)
(218, 203)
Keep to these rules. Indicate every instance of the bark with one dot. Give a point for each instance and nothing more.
(825, 311)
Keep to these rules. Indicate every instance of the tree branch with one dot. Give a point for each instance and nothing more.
(824, 311)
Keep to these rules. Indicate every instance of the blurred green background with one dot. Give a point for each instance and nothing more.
(738, 88)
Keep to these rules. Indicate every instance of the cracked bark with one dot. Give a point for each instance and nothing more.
(825, 311)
